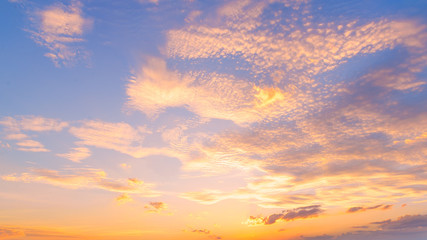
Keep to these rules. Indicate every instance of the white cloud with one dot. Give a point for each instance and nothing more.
(120, 137)
(60, 28)
(76, 154)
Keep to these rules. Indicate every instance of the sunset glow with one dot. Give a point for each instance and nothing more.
(194, 119)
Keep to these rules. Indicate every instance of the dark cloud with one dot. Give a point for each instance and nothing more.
(289, 215)
(362, 209)
(404, 222)
(361, 227)
(322, 237)
(205, 231)
(409, 227)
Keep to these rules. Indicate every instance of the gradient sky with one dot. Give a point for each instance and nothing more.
(192, 119)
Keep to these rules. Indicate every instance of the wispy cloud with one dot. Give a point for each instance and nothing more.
(120, 137)
(18, 232)
(32, 123)
(14, 128)
(76, 154)
(60, 29)
(124, 198)
(362, 209)
(31, 146)
(84, 178)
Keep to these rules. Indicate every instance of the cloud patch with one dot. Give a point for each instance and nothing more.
(156, 207)
(287, 215)
(60, 29)
(76, 154)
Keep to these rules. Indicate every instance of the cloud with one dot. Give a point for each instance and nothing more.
(220, 96)
(287, 215)
(19, 232)
(32, 123)
(309, 49)
(156, 207)
(124, 198)
(8, 232)
(60, 29)
(13, 127)
(149, 1)
(362, 209)
(76, 178)
(120, 137)
(76, 154)
(205, 232)
(405, 227)
(31, 146)
(125, 166)
(404, 223)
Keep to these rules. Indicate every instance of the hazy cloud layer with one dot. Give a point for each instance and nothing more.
(84, 178)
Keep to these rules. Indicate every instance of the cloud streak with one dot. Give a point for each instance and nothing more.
(84, 178)
(362, 209)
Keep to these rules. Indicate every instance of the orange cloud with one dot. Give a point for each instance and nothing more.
(124, 198)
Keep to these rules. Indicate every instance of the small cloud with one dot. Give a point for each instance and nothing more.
(135, 181)
(360, 227)
(16, 136)
(59, 28)
(125, 166)
(123, 198)
(4, 145)
(156, 207)
(76, 154)
(149, 1)
(205, 232)
(31, 146)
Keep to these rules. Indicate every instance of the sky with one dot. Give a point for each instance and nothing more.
(193, 119)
